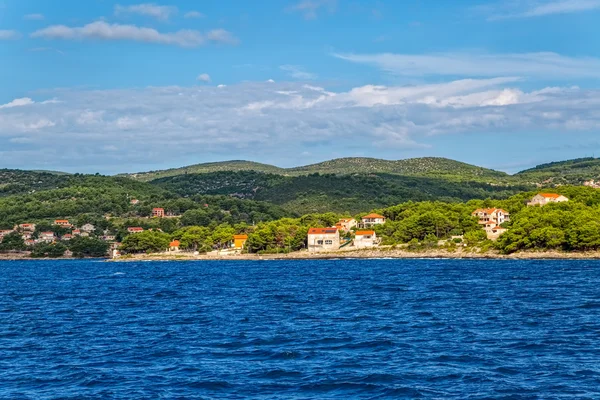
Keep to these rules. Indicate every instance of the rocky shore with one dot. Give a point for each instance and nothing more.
(379, 253)
(372, 253)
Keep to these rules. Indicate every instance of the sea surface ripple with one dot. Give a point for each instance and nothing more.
(365, 329)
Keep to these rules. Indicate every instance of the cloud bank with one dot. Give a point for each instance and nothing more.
(147, 9)
(118, 130)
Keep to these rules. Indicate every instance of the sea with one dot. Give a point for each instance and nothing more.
(300, 329)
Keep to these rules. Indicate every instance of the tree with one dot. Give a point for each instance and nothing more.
(195, 238)
(146, 242)
(88, 247)
(12, 241)
(51, 250)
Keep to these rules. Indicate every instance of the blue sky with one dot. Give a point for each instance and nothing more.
(119, 86)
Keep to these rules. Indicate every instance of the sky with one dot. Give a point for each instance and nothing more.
(114, 86)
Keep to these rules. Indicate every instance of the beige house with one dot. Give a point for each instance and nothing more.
(323, 239)
(545, 198)
(346, 224)
(364, 239)
(494, 232)
(369, 221)
(47, 237)
(496, 215)
(27, 227)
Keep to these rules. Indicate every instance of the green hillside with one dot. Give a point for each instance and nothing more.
(329, 192)
(14, 181)
(428, 166)
(573, 172)
(235, 165)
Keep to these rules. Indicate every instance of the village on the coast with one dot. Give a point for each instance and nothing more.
(347, 234)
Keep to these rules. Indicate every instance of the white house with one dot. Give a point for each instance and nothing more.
(27, 227)
(369, 221)
(497, 215)
(364, 239)
(89, 228)
(346, 224)
(545, 198)
(47, 237)
(135, 229)
(323, 239)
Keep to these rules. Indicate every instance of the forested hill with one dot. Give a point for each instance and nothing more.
(574, 172)
(427, 166)
(329, 192)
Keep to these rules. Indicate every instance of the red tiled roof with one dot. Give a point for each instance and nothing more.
(242, 237)
(175, 243)
(322, 231)
(360, 233)
(373, 215)
(550, 195)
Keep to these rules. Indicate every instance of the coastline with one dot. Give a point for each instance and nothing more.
(353, 254)
(367, 254)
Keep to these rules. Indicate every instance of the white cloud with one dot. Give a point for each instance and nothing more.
(266, 119)
(148, 9)
(34, 17)
(297, 72)
(101, 30)
(9, 35)
(25, 101)
(310, 8)
(193, 14)
(538, 8)
(203, 78)
(537, 65)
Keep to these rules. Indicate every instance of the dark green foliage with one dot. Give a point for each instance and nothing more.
(12, 242)
(50, 250)
(146, 242)
(88, 247)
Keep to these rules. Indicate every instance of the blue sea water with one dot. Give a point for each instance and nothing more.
(364, 329)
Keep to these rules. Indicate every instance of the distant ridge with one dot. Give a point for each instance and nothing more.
(426, 166)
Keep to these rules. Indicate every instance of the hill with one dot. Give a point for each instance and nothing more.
(573, 172)
(14, 181)
(427, 166)
(235, 165)
(329, 192)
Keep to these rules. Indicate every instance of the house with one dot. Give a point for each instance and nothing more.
(545, 198)
(346, 224)
(27, 227)
(109, 238)
(134, 202)
(76, 232)
(47, 237)
(494, 232)
(135, 229)
(27, 235)
(174, 245)
(365, 238)
(68, 236)
(323, 239)
(158, 212)
(239, 241)
(62, 222)
(369, 221)
(496, 215)
(29, 242)
(89, 228)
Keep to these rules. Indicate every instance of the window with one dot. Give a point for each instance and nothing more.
(320, 242)
(329, 242)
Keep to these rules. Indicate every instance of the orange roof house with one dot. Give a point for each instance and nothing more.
(542, 199)
(239, 241)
